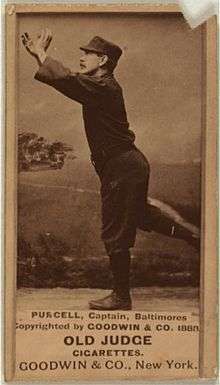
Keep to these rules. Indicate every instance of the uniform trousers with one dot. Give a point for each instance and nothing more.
(124, 188)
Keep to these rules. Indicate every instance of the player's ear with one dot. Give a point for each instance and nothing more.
(103, 60)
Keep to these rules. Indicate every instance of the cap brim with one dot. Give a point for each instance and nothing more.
(90, 49)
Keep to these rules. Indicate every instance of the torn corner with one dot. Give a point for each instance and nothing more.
(197, 12)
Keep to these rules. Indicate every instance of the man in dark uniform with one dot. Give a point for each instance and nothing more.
(122, 168)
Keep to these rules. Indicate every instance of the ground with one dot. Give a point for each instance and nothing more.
(172, 299)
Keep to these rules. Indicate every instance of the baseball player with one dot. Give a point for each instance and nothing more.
(122, 168)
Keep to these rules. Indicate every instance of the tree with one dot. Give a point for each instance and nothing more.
(34, 150)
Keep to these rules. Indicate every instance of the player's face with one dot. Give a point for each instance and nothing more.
(89, 62)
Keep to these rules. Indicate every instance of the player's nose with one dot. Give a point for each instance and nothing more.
(83, 57)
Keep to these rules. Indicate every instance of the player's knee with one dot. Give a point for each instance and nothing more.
(119, 252)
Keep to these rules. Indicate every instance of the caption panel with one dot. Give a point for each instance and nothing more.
(81, 345)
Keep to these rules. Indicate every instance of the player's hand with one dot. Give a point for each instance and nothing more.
(38, 46)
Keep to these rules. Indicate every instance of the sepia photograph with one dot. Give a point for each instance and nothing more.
(109, 130)
(109, 176)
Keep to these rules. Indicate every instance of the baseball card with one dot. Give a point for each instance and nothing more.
(110, 251)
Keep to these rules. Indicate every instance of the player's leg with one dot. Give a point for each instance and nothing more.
(163, 219)
(118, 234)
(119, 298)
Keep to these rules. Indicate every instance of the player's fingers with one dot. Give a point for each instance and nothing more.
(47, 43)
(49, 38)
(27, 36)
(49, 33)
(41, 35)
(24, 39)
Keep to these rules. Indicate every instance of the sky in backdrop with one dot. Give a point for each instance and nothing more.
(160, 72)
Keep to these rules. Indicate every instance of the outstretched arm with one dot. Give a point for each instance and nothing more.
(81, 88)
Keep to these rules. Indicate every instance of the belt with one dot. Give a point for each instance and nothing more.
(100, 157)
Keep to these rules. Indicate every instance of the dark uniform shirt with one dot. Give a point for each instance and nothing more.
(104, 112)
(124, 171)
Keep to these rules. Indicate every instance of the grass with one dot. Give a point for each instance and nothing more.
(59, 241)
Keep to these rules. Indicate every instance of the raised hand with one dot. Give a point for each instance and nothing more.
(39, 46)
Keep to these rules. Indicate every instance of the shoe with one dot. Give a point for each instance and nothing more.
(192, 238)
(111, 302)
(194, 242)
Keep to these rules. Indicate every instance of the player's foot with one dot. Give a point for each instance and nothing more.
(195, 242)
(192, 238)
(111, 302)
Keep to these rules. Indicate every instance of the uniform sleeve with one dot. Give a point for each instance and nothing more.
(81, 88)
